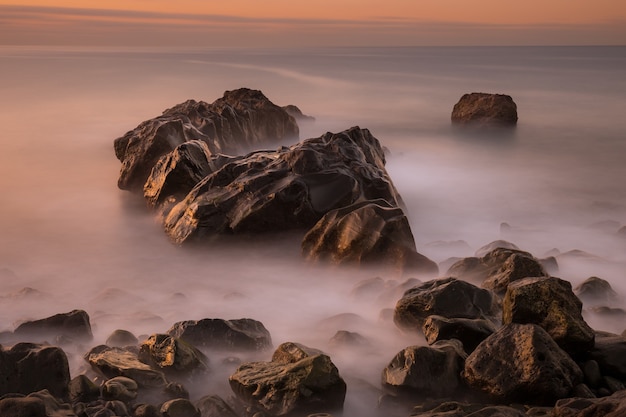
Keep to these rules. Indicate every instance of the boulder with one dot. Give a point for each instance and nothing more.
(214, 406)
(29, 367)
(288, 189)
(236, 123)
(219, 334)
(121, 338)
(426, 371)
(82, 389)
(22, 407)
(366, 233)
(120, 388)
(74, 325)
(610, 354)
(470, 332)
(595, 291)
(297, 381)
(114, 361)
(448, 297)
(179, 407)
(521, 363)
(550, 303)
(496, 244)
(498, 268)
(485, 110)
(173, 356)
(344, 338)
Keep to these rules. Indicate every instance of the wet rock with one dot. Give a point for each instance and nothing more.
(173, 356)
(219, 334)
(121, 338)
(426, 371)
(470, 332)
(298, 380)
(595, 291)
(179, 407)
(55, 407)
(214, 406)
(550, 303)
(29, 367)
(83, 389)
(236, 123)
(592, 374)
(366, 233)
(74, 325)
(498, 268)
(147, 410)
(113, 361)
(522, 363)
(447, 297)
(485, 110)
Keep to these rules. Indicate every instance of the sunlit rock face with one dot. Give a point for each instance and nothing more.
(485, 110)
(241, 120)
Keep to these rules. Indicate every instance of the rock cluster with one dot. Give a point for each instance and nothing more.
(334, 186)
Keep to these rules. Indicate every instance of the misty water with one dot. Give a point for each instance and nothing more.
(69, 239)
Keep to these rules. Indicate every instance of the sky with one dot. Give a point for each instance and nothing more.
(290, 23)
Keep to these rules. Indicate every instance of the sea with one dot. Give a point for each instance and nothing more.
(555, 185)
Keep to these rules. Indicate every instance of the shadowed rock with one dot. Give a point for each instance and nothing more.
(236, 123)
(522, 363)
(219, 334)
(74, 325)
(485, 110)
(470, 332)
(596, 290)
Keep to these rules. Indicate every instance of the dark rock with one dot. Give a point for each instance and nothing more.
(114, 361)
(470, 332)
(297, 114)
(498, 268)
(22, 407)
(613, 384)
(74, 325)
(366, 233)
(613, 406)
(219, 334)
(610, 353)
(426, 371)
(550, 265)
(550, 303)
(485, 110)
(592, 374)
(239, 121)
(596, 290)
(344, 338)
(173, 355)
(496, 244)
(117, 407)
(179, 407)
(83, 389)
(448, 297)
(582, 391)
(29, 367)
(457, 409)
(147, 410)
(55, 407)
(521, 363)
(121, 338)
(298, 380)
(175, 390)
(214, 406)
(120, 388)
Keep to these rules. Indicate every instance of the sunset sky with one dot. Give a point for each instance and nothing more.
(269, 23)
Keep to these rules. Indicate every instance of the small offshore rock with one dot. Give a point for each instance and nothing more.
(595, 291)
(172, 355)
(485, 110)
(113, 361)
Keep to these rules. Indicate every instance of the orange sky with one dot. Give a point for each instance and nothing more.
(318, 22)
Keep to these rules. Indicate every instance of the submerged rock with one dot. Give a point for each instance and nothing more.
(485, 110)
(595, 291)
(236, 123)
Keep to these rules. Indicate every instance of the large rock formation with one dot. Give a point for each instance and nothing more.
(236, 123)
(485, 110)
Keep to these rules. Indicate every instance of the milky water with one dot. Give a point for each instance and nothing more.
(67, 232)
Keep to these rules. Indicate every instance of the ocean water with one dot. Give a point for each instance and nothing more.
(68, 234)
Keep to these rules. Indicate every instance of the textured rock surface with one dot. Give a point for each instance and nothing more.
(550, 303)
(172, 355)
(297, 381)
(112, 362)
(219, 334)
(470, 332)
(498, 268)
(521, 363)
(613, 406)
(485, 110)
(426, 371)
(448, 297)
(236, 123)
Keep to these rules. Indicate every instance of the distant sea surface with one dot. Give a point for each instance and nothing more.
(558, 180)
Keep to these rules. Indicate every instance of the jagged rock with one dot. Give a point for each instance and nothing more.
(426, 371)
(121, 338)
(485, 110)
(172, 355)
(596, 290)
(550, 303)
(297, 114)
(114, 361)
(236, 123)
(367, 232)
(214, 406)
(470, 332)
(179, 407)
(448, 297)
(30, 367)
(219, 334)
(521, 363)
(291, 188)
(613, 406)
(74, 325)
(298, 380)
(498, 268)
